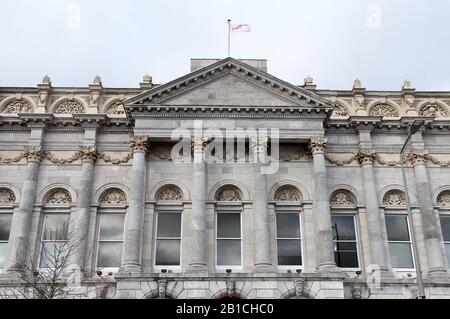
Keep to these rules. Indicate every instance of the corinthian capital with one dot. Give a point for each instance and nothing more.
(88, 153)
(139, 144)
(366, 156)
(417, 157)
(259, 145)
(35, 154)
(318, 144)
(199, 143)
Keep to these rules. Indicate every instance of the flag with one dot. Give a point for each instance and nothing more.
(241, 27)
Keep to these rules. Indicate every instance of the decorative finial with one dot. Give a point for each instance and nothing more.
(406, 84)
(147, 79)
(309, 80)
(357, 84)
(46, 80)
(97, 80)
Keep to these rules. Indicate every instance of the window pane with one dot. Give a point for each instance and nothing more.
(56, 226)
(346, 259)
(289, 252)
(111, 226)
(447, 249)
(54, 254)
(229, 252)
(5, 226)
(397, 228)
(445, 225)
(109, 254)
(288, 225)
(343, 227)
(168, 252)
(169, 225)
(401, 256)
(2, 254)
(228, 225)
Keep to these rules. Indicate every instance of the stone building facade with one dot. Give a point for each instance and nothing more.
(329, 222)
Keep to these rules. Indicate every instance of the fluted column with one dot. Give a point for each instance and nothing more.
(321, 205)
(80, 222)
(19, 249)
(262, 258)
(132, 245)
(374, 224)
(430, 226)
(198, 222)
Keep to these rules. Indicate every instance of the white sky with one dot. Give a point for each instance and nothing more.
(382, 42)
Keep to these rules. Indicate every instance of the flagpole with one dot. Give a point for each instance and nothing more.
(229, 37)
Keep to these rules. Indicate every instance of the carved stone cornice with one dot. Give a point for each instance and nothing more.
(139, 144)
(318, 145)
(366, 156)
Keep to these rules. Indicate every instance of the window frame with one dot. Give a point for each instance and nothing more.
(167, 210)
(228, 208)
(400, 212)
(299, 212)
(108, 211)
(446, 214)
(46, 213)
(345, 212)
(6, 210)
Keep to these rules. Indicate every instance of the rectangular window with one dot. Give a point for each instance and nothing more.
(399, 241)
(5, 227)
(54, 249)
(110, 240)
(445, 225)
(289, 245)
(345, 242)
(228, 239)
(168, 239)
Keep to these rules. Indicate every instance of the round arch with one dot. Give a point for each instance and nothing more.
(303, 191)
(349, 189)
(440, 103)
(13, 189)
(102, 189)
(50, 188)
(166, 182)
(10, 99)
(215, 189)
(397, 107)
(66, 98)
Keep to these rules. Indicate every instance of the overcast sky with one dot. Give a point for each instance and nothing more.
(380, 42)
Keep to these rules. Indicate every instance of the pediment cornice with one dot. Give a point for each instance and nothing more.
(296, 96)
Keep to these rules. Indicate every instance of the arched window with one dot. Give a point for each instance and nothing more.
(55, 229)
(343, 221)
(112, 210)
(169, 208)
(228, 227)
(7, 200)
(289, 233)
(397, 228)
(443, 200)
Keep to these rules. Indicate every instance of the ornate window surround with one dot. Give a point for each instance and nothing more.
(7, 208)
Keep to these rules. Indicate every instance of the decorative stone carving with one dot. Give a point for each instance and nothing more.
(59, 196)
(288, 193)
(417, 157)
(113, 196)
(88, 153)
(139, 143)
(162, 287)
(433, 110)
(394, 198)
(299, 285)
(116, 108)
(294, 156)
(69, 107)
(342, 198)
(229, 195)
(356, 290)
(444, 199)
(339, 111)
(198, 144)
(7, 196)
(366, 156)
(46, 80)
(406, 84)
(35, 154)
(231, 286)
(357, 84)
(384, 110)
(147, 79)
(309, 80)
(259, 145)
(318, 144)
(170, 193)
(17, 106)
(97, 80)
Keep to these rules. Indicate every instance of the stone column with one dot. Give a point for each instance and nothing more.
(374, 225)
(321, 204)
(80, 223)
(260, 210)
(198, 221)
(19, 250)
(430, 226)
(132, 245)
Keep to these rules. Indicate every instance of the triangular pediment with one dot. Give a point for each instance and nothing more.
(229, 82)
